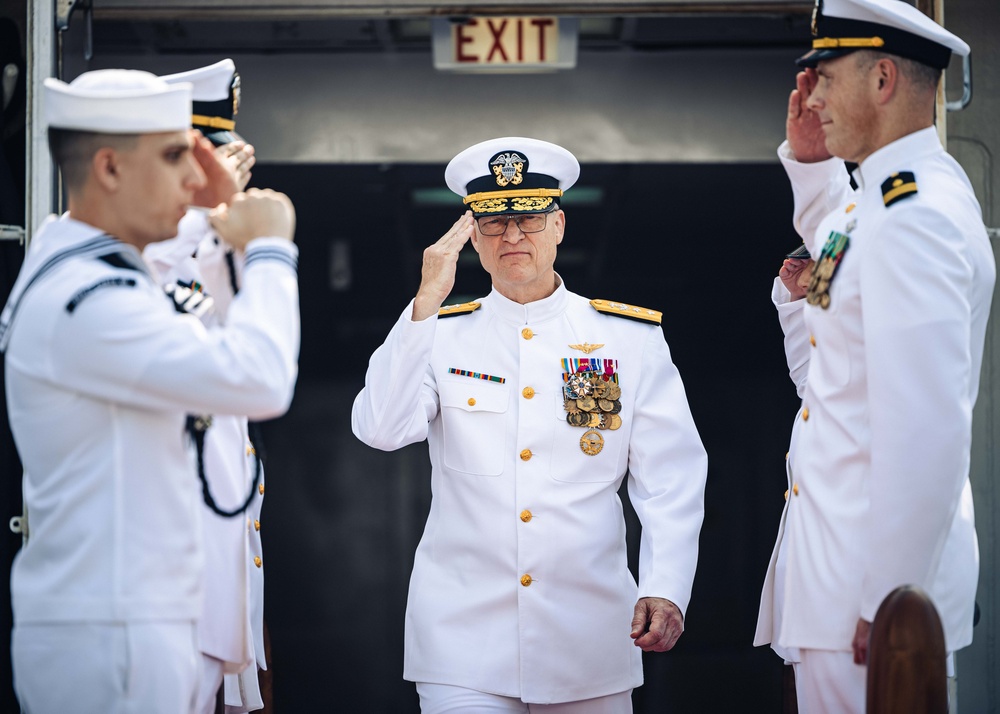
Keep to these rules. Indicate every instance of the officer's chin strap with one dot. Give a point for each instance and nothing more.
(197, 426)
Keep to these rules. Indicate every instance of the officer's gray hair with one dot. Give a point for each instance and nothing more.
(73, 150)
(920, 75)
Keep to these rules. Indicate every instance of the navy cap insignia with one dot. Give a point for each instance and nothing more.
(508, 166)
(897, 187)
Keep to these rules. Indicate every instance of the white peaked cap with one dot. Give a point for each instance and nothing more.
(210, 84)
(117, 101)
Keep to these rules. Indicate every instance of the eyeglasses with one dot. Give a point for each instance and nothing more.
(526, 223)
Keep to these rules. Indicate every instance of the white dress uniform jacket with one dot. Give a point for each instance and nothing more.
(797, 356)
(882, 463)
(101, 371)
(520, 585)
(225, 628)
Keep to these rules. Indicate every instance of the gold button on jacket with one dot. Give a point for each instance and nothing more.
(526, 454)
(257, 561)
(525, 580)
(527, 334)
(527, 392)
(526, 515)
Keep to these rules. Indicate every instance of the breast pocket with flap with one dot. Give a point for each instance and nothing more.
(474, 418)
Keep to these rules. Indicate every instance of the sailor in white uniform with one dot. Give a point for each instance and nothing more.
(103, 370)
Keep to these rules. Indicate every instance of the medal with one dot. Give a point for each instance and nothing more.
(825, 268)
(591, 398)
(591, 443)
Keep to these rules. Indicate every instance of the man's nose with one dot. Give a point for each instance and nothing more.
(512, 233)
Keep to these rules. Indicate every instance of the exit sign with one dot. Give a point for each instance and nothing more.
(505, 44)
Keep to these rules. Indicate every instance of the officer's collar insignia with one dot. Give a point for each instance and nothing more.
(897, 187)
(632, 312)
(586, 347)
(464, 309)
(825, 268)
(509, 167)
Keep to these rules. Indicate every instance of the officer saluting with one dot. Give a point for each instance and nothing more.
(101, 372)
(230, 629)
(535, 402)
(897, 310)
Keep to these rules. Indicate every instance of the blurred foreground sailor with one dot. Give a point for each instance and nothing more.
(535, 403)
(230, 629)
(896, 309)
(102, 370)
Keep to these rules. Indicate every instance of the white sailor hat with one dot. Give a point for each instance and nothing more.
(511, 175)
(216, 97)
(117, 101)
(892, 26)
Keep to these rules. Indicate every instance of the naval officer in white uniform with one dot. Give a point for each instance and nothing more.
(102, 370)
(897, 309)
(535, 403)
(230, 629)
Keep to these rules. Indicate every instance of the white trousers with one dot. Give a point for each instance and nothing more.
(125, 668)
(828, 682)
(208, 686)
(448, 699)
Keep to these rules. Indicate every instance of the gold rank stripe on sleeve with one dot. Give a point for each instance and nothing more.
(632, 312)
(464, 309)
(898, 186)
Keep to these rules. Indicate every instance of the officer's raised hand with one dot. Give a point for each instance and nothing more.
(258, 213)
(802, 125)
(657, 623)
(438, 271)
(221, 182)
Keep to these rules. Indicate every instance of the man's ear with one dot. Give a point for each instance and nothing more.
(105, 167)
(885, 74)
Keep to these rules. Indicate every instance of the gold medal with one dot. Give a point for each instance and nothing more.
(577, 419)
(591, 443)
(587, 404)
(615, 422)
(595, 420)
(606, 405)
(613, 391)
(570, 406)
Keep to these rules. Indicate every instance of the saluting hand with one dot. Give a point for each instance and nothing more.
(802, 126)
(438, 270)
(795, 274)
(258, 213)
(656, 624)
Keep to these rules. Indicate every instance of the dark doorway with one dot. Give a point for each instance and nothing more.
(700, 242)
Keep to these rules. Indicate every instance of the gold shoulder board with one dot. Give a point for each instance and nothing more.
(464, 309)
(632, 312)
